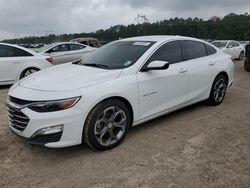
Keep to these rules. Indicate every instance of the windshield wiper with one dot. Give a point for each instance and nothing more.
(97, 65)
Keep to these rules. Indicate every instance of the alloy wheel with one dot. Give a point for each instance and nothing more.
(110, 126)
(220, 90)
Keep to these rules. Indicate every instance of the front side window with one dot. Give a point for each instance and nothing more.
(117, 55)
(76, 47)
(193, 50)
(170, 52)
(2, 51)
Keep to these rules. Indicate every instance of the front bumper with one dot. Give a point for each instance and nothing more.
(71, 121)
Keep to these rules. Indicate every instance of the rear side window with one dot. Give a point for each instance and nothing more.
(170, 52)
(236, 44)
(60, 48)
(210, 50)
(9, 51)
(193, 50)
(76, 47)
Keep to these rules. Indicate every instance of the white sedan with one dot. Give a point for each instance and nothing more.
(233, 48)
(66, 52)
(17, 62)
(120, 85)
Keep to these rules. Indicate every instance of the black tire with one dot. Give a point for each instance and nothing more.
(247, 65)
(241, 56)
(98, 121)
(28, 71)
(218, 90)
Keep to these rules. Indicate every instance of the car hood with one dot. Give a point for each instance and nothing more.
(68, 77)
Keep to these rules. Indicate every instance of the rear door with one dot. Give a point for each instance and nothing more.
(78, 52)
(11, 60)
(163, 90)
(201, 68)
(60, 54)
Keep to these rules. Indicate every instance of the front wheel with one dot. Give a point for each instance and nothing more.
(28, 72)
(106, 125)
(247, 65)
(218, 90)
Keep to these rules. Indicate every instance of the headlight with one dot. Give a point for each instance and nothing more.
(52, 106)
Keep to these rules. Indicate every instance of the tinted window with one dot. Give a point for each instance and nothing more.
(60, 48)
(84, 42)
(230, 45)
(9, 51)
(236, 44)
(210, 50)
(193, 49)
(117, 55)
(2, 51)
(170, 52)
(93, 43)
(76, 47)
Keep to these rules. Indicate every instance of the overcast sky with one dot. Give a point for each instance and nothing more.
(33, 17)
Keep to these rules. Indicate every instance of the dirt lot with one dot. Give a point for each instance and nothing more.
(200, 146)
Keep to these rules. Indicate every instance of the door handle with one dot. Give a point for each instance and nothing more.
(211, 63)
(182, 70)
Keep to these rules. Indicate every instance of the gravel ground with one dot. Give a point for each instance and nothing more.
(200, 146)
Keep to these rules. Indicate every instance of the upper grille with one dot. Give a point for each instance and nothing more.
(17, 119)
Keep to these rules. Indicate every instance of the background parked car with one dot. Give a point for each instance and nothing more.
(233, 48)
(66, 52)
(17, 62)
(247, 61)
(92, 42)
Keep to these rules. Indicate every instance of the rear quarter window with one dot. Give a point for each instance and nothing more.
(210, 50)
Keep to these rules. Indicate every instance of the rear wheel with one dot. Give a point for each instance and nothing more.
(28, 72)
(218, 90)
(247, 65)
(106, 125)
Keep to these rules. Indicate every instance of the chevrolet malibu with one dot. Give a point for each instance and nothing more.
(123, 84)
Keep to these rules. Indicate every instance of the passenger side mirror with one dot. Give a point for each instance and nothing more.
(156, 65)
(230, 46)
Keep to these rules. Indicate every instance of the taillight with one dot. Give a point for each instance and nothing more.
(50, 59)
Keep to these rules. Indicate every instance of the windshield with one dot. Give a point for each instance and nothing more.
(45, 48)
(220, 44)
(117, 55)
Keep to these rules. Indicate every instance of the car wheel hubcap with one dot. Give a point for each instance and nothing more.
(110, 126)
(220, 90)
(29, 72)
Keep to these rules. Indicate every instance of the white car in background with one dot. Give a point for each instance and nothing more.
(17, 62)
(65, 52)
(233, 48)
(122, 84)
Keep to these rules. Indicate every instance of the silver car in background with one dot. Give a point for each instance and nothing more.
(65, 52)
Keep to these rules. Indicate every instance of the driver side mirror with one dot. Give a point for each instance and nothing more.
(230, 46)
(156, 65)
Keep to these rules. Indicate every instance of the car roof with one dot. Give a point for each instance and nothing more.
(161, 38)
(22, 48)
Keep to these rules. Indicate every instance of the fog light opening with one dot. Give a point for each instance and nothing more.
(49, 130)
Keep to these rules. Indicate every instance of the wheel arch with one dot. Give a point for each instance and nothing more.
(27, 68)
(126, 102)
(225, 74)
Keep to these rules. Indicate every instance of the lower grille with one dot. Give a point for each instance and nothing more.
(17, 119)
(43, 139)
